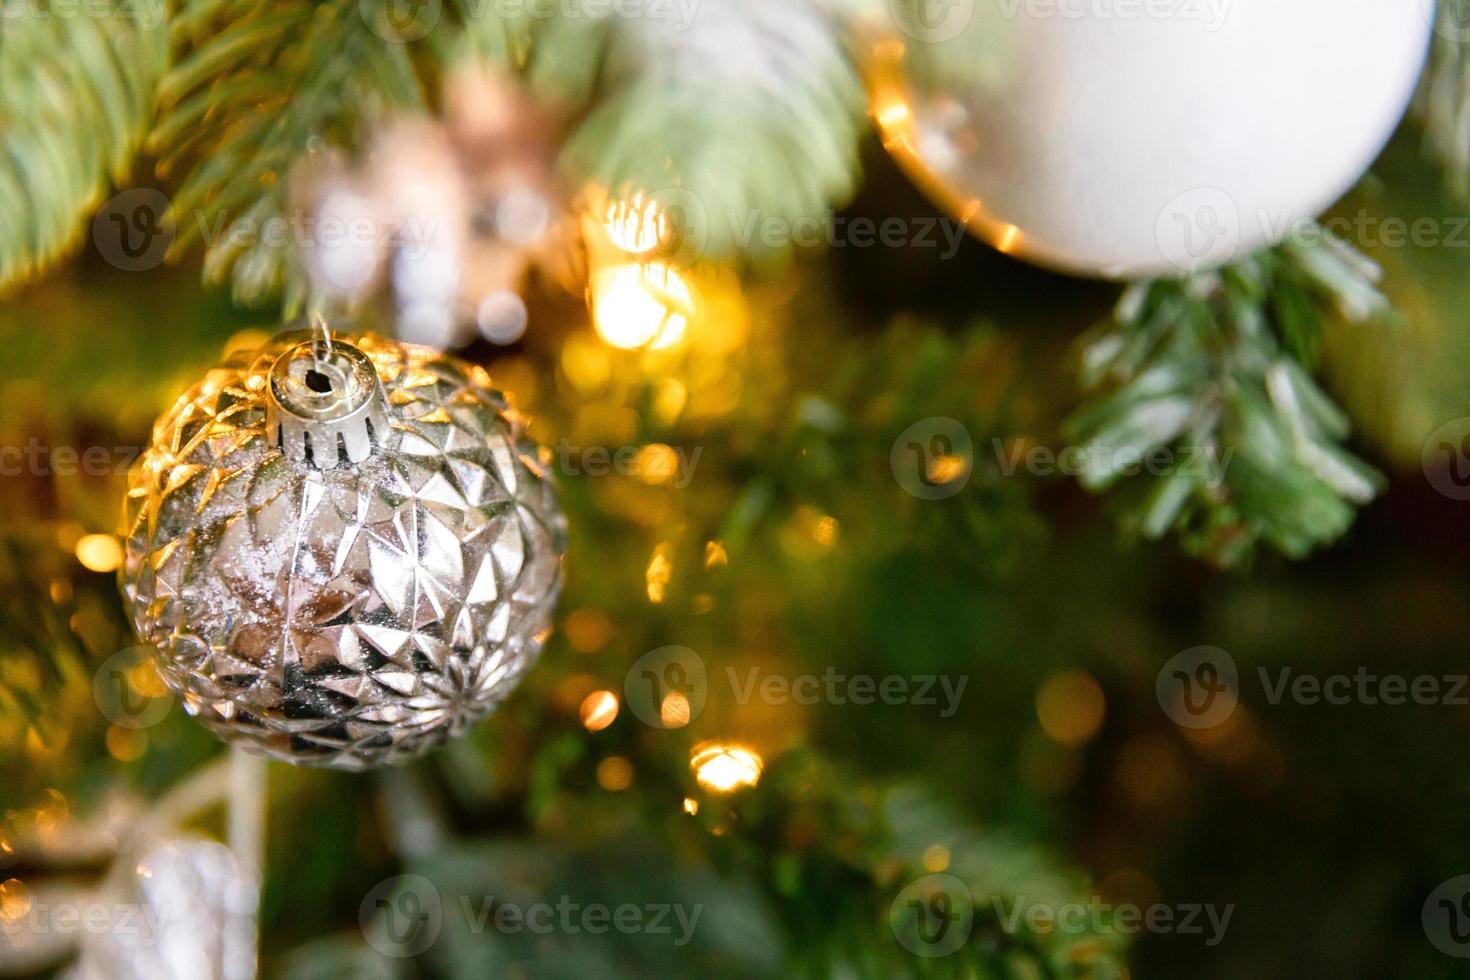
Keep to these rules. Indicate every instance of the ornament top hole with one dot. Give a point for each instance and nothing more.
(322, 397)
(318, 382)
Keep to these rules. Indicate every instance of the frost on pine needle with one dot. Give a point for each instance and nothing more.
(1202, 411)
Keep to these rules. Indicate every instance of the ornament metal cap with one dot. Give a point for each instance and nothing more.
(325, 405)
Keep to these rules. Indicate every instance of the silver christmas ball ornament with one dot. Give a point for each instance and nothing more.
(345, 550)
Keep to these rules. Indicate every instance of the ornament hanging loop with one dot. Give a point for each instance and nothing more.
(325, 406)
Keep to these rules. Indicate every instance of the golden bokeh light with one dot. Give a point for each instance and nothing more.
(1070, 707)
(636, 225)
(99, 552)
(673, 710)
(126, 744)
(642, 305)
(15, 900)
(656, 576)
(656, 463)
(615, 773)
(722, 768)
(587, 630)
(599, 709)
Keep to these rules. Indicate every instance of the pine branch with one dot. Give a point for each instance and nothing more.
(259, 88)
(749, 113)
(850, 862)
(1443, 102)
(1204, 383)
(76, 93)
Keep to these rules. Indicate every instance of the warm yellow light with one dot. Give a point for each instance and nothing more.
(636, 226)
(1070, 707)
(656, 576)
(1008, 238)
(825, 530)
(656, 463)
(894, 114)
(587, 630)
(936, 858)
(673, 710)
(947, 469)
(725, 768)
(15, 900)
(599, 709)
(691, 805)
(615, 773)
(126, 744)
(144, 678)
(100, 552)
(646, 305)
(715, 555)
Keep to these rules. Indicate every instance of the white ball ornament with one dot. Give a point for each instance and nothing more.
(1135, 138)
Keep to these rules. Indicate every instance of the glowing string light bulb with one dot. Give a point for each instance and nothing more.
(722, 768)
(642, 305)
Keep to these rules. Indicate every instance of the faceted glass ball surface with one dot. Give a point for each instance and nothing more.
(351, 616)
